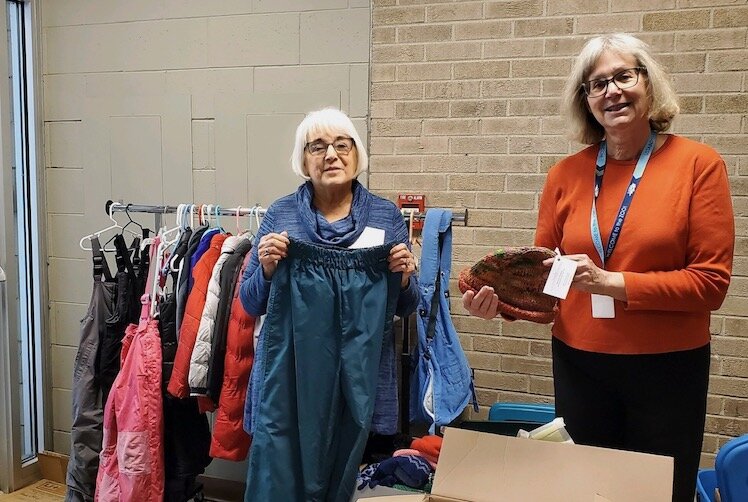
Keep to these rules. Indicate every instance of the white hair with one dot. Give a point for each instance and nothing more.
(326, 121)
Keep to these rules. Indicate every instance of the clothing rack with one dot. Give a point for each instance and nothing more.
(257, 211)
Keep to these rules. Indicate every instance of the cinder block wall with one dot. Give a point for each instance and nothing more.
(465, 109)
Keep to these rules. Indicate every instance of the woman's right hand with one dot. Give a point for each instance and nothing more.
(272, 248)
(483, 304)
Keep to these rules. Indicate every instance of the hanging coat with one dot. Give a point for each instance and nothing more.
(442, 383)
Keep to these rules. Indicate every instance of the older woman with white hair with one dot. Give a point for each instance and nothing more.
(330, 219)
(647, 217)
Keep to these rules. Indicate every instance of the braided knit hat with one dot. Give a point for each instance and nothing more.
(517, 276)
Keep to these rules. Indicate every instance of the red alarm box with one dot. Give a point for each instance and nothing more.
(412, 201)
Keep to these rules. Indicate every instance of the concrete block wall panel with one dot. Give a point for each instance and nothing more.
(137, 91)
(464, 107)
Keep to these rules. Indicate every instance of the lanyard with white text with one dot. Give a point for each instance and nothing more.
(625, 203)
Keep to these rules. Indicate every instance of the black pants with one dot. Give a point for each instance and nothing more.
(650, 403)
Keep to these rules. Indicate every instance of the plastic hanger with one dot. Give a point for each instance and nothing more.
(113, 226)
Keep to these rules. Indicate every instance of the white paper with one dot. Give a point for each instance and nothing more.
(603, 307)
(369, 238)
(560, 277)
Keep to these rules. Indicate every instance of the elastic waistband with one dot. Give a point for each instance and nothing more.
(339, 257)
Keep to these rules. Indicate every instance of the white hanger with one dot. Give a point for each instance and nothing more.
(113, 226)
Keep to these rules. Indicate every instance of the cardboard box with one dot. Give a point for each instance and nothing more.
(481, 467)
(53, 466)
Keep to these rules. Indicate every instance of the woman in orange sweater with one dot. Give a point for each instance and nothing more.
(631, 340)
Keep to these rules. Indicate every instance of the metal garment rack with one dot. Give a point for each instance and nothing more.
(405, 354)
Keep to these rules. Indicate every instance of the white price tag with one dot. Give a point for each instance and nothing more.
(560, 277)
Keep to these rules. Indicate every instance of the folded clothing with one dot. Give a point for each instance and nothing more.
(411, 451)
(517, 275)
(429, 447)
(410, 470)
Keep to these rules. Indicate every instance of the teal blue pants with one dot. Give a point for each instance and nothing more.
(322, 339)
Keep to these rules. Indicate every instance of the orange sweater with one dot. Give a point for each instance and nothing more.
(675, 248)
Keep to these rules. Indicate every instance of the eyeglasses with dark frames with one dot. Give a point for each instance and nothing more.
(624, 79)
(342, 146)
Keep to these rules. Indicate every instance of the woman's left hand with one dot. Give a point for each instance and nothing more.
(593, 279)
(402, 260)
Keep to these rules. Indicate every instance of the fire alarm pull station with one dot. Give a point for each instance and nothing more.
(412, 201)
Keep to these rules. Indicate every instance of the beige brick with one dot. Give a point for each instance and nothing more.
(482, 70)
(547, 161)
(706, 82)
(510, 87)
(383, 35)
(738, 285)
(540, 349)
(452, 199)
(553, 86)
(641, 5)
(478, 108)
(397, 53)
(540, 68)
(692, 104)
(717, 124)
(451, 164)
(476, 181)
(395, 164)
(683, 63)
(485, 144)
(384, 3)
(713, 39)
(382, 72)
(379, 181)
(729, 103)
(726, 144)
(452, 90)
(543, 27)
(527, 365)
(451, 127)
(524, 182)
(485, 218)
(736, 17)
(396, 90)
(541, 106)
(421, 2)
(659, 42)
(519, 219)
(554, 125)
(541, 385)
(482, 30)
(453, 51)
(382, 110)
(483, 361)
(608, 23)
(415, 109)
(728, 61)
(511, 48)
(421, 145)
(455, 12)
(424, 182)
(504, 237)
(509, 164)
(504, 381)
(398, 15)
(396, 128)
(383, 146)
(510, 125)
(527, 330)
(534, 144)
(428, 71)
(501, 345)
(565, 46)
(424, 33)
(514, 8)
(558, 7)
(676, 20)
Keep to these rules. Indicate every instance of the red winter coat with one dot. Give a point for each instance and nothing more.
(178, 384)
(230, 442)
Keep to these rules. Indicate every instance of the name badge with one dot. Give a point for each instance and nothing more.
(603, 307)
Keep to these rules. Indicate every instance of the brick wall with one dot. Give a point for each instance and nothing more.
(465, 108)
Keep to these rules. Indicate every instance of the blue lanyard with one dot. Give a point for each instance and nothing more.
(641, 164)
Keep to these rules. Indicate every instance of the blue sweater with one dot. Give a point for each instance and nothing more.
(296, 214)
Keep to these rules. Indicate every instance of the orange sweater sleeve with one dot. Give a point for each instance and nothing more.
(710, 234)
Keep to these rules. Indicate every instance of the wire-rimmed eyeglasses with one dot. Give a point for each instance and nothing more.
(628, 77)
(341, 145)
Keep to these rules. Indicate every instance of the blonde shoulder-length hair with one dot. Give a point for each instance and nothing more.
(326, 121)
(663, 102)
